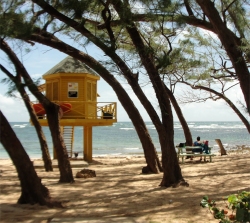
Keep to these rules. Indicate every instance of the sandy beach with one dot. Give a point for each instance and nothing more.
(121, 193)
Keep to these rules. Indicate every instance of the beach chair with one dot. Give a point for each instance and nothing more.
(222, 149)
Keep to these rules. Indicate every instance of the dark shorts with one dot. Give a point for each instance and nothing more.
(199, 150)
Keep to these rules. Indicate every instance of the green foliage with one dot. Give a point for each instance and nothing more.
(237, 208)
(12, 88)
(13, 25)
(75, 8)
(180, 51)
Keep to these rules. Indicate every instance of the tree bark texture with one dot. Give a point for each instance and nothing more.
(43, 144)
(52, 112)
(32, 190)
(172, 172)
(187, 133)
(172, 176)
(222, 149)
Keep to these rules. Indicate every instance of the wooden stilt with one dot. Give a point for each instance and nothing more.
(87, 143)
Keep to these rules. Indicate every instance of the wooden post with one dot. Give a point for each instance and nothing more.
(222, 149)
(87, 143)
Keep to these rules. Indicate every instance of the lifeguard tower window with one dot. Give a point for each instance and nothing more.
(72, 94)
(72, 90)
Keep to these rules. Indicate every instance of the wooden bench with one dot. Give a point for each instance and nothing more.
(193, 151)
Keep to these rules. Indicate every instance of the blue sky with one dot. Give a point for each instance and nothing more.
(42, 59)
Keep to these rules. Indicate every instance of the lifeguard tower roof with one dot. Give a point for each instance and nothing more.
(71, 65)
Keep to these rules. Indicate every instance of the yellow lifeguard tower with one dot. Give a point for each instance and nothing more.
(73, 86)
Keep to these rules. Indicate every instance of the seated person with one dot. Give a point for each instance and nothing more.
(203, 144)
(205, 147)
(198, 143)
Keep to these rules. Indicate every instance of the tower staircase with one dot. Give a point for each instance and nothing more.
(68, 137)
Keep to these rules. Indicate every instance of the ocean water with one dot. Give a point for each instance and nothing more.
(121, 139)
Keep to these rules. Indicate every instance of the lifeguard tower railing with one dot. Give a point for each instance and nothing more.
(86, 110)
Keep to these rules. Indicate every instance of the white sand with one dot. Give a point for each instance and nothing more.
(120, 193)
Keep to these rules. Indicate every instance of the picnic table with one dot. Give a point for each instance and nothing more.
(193, 151)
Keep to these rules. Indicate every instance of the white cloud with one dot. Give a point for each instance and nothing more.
(13, 109)
(6, 101)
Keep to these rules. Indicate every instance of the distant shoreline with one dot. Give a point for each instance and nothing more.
(121, 138)
(243, 149)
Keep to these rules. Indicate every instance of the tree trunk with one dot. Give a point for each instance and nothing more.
(222, 149)
(110, 52)
(172, 172)
(150, 153)
(52, 111)
(187, 133)
(32, 190)
(44, 146)
(232, 46)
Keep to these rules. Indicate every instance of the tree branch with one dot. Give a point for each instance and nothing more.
(107, 21)
(188, 8)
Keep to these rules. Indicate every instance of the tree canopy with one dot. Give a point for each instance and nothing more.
(160, 42)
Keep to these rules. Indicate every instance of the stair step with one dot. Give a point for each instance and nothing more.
(68, 136)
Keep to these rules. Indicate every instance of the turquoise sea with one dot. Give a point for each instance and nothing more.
(121, 138)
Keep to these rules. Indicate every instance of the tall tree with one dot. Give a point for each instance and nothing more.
(151, 156)
(210, 72)
(171, 169)
(231, 43)
(231, 30)
(166, 128)
(52, 111)
(172, 172)
(32, 189)
(44, 146)
(142, 51)
(185, 127)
